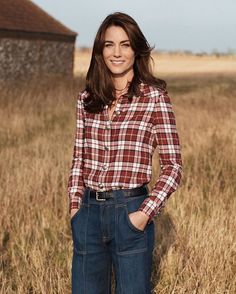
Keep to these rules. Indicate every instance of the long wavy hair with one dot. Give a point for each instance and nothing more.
(99, 83)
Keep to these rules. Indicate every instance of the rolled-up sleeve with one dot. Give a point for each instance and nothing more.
(76, 184)
(167, 140)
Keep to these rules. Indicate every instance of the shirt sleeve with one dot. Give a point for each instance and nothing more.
(76, 184)
(167, 139)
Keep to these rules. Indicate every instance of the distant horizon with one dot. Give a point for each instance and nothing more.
(229, 52)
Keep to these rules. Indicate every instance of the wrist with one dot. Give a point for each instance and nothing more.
(146, 217)
(73, 211)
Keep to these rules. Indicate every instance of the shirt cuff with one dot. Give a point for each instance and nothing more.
(75, 203)
(151, 206)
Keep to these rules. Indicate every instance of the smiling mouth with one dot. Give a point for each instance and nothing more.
(117, 61)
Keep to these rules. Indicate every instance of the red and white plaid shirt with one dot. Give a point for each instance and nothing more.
(117, 153)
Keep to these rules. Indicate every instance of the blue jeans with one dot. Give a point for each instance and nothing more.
(103, 235)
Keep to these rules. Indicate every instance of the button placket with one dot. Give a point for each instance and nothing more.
(108, 125)
(107, 136)
(107, 139)
(105, 166)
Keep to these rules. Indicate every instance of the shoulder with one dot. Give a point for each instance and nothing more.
(154, 92)
(80, 99)
(82, 95)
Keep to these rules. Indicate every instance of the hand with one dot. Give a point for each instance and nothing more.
(73, 212)
(139, 219)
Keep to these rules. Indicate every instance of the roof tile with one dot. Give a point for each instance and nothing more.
(24, 15)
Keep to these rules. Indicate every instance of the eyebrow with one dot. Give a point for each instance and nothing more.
(124, 41)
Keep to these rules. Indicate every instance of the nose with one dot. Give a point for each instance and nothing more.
(117, 52)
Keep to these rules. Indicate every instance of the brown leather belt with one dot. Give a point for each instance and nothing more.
(104, 195)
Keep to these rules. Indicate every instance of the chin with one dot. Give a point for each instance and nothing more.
(117, 72)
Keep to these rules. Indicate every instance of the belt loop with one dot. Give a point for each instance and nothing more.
(88, 194)
(146, 186)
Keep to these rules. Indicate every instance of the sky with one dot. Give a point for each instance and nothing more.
(194, 25)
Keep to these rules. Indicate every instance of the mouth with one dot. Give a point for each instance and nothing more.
(117, 62)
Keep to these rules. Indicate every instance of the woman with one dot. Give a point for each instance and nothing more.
(122, 116)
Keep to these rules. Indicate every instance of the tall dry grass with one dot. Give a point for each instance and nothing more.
(195, 234)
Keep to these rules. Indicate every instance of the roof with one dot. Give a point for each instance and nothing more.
(26, 17)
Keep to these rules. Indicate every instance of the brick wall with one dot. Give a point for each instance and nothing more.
(21, 58)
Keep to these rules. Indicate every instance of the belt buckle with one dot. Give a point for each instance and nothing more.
(98, 198)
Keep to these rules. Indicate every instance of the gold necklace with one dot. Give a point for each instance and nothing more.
(116, 100)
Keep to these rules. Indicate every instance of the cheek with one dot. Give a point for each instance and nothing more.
(105, 57)
(132, 58)
(106, 54)
(106, 62)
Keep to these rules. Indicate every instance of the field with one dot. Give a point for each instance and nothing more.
(173, 64)
(195, 234)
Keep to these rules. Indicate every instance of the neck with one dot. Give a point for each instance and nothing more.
(120, 82)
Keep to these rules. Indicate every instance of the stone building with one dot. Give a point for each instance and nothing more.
(32, 43)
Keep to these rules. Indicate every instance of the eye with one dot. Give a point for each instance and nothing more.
(126, 45)
(107, 45)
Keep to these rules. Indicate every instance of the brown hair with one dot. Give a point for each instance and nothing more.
(99, 82)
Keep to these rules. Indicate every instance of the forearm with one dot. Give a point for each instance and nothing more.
(167, 141)
(76, 184)
(167, 183)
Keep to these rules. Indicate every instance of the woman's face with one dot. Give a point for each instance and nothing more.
(118, 55)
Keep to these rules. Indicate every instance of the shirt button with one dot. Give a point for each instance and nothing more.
(117, 112)
(106, 148)
(100, 185)
(108, 127)
(105, 167)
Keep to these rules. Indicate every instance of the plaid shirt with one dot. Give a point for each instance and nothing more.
(117, 153)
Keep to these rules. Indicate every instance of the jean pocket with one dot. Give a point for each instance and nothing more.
(78, 227)
(74, 217)
(131, 225)
(129, 238)
(132, 205)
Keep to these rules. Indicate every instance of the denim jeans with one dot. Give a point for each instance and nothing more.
(103, 236)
